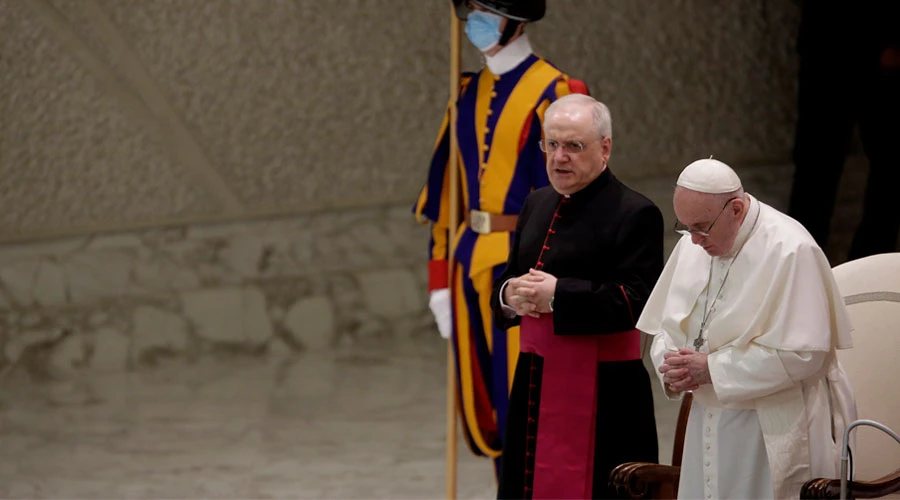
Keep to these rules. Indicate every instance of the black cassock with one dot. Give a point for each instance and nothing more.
(604, 244)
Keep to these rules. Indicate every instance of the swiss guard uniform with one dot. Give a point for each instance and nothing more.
(499, 125)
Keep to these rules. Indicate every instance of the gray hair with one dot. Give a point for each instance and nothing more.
(602, 118)
(724, 197)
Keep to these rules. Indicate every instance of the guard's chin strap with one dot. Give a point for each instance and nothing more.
(508, 32)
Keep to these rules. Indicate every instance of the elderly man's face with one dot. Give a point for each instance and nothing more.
(567, 129)
(706, 213)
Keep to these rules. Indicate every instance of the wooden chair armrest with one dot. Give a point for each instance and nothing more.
(645, 480)
(831, 488)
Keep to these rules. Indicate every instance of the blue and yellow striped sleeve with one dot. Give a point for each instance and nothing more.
(433, 204)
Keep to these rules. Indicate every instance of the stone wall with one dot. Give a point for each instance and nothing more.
(300, 284)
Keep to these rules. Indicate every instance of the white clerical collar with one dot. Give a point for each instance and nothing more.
(746, 227)
(510, 56)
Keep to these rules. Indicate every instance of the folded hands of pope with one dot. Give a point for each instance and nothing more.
(530, 294)
(685, 370)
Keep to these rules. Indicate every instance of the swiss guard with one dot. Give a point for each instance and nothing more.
(500, 112)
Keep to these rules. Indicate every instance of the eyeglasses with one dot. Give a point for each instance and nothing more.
(686, 231)
(570, 147)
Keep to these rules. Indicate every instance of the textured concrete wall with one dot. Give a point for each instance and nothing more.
(110, 302)
(119, 114)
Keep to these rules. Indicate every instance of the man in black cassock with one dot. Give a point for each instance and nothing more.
(586, 254)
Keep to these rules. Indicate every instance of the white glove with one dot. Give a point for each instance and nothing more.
(439, 303)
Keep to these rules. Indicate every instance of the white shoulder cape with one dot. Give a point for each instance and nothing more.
(780, 293)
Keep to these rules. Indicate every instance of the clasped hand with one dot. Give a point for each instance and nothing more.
(530, 293)
(685, 370)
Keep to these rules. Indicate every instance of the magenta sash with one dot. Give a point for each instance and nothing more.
(564, 457)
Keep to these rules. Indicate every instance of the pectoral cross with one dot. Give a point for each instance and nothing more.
(698, 343)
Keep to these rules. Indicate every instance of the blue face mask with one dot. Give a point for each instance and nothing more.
(483, 29)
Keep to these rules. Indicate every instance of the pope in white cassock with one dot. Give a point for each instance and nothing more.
(747, 315)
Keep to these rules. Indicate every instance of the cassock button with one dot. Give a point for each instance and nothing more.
(489, 112)
(707, 464)
(709, 429)
(486, 147)
(493, 94)
(707, 447)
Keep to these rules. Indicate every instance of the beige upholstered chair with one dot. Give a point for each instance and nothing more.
(871, 290)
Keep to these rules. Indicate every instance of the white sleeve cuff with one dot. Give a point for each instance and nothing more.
(744, 373)
(508, 312)
(662, 344)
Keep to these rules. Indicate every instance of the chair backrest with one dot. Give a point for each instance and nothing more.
(871, 290)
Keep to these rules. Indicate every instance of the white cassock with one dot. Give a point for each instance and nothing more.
(774, 414)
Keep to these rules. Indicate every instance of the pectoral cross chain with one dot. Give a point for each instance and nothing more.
(709, 308)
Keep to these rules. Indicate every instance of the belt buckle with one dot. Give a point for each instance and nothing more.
(480, 221)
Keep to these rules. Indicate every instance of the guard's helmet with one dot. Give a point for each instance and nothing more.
(518, 10)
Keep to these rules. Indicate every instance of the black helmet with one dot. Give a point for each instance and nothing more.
(517, 10)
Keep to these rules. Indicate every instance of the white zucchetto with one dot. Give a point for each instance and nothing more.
(709, 176)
